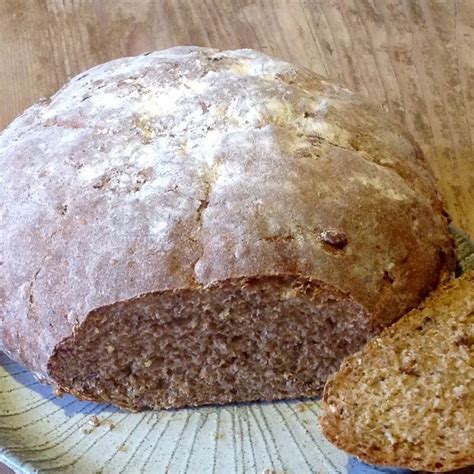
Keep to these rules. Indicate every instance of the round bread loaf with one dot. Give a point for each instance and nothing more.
(192, 226)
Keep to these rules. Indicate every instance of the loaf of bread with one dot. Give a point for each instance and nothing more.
(192, 226)
(407, 399)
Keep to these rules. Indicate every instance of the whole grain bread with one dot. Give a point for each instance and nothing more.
(407, 399)
(193, 226)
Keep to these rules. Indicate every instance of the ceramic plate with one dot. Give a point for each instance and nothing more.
(39, 432)
(42, 433)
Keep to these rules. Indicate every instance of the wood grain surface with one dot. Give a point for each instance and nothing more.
(413, 57)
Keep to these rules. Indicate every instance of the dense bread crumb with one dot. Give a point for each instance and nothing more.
(407, 399)
(258, 339)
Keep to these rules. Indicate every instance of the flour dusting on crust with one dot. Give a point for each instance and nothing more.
(190, 166)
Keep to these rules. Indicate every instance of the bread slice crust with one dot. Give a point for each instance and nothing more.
(407, 398)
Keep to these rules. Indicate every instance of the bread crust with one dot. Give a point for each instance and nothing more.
(397, 358)
(190, 166)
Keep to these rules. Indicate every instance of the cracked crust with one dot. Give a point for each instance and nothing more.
(188, 167)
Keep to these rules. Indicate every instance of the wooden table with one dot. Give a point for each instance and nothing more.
(415, 58)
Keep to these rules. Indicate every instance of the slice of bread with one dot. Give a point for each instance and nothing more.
(407, 399)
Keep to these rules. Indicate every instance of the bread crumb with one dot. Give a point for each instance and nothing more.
(58, 392)
(389, 437)
(147, 363)
(460, 392)
(110, 349)
(301, 407)
(408, 366)
(94, 421)
(122, 448)
(112, 426)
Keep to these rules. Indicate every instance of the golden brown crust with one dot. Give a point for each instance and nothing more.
(186, 167)
(407, 399)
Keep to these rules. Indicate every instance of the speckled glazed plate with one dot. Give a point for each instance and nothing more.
(42, 433)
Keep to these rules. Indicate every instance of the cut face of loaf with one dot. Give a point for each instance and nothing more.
(242, 340)
(407, 399)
